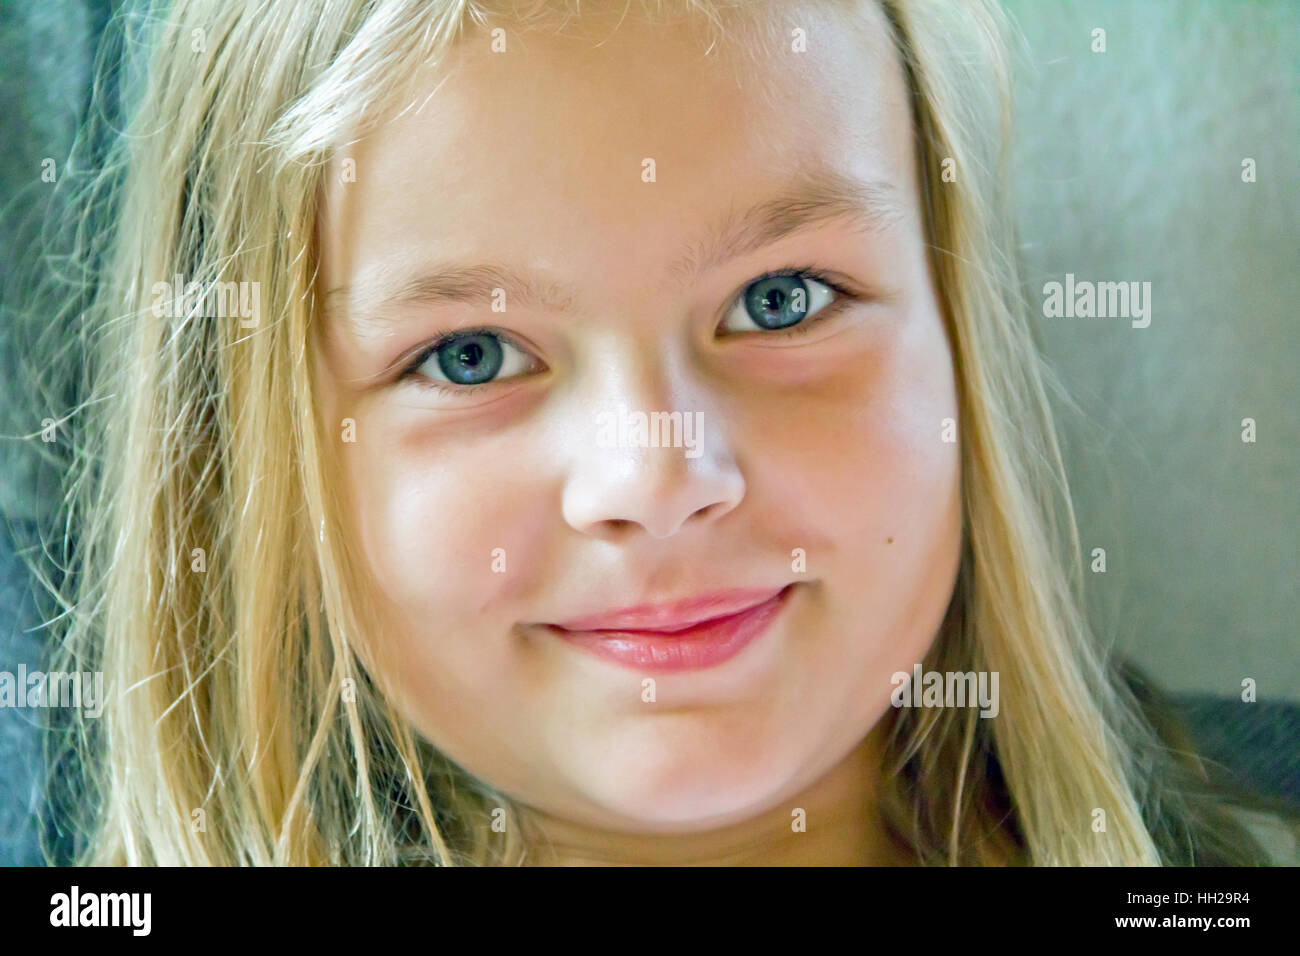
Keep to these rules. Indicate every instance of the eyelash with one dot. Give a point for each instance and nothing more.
(441, 338)
(843, 298)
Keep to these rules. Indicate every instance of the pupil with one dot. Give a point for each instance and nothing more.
(471, 359)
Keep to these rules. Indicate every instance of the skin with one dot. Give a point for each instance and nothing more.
(828, 442)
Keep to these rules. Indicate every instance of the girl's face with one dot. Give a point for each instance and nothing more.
(593, 221)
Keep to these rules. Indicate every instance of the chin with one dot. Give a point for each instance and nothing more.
(677, 795)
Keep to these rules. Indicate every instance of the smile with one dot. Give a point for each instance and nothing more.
(658, 639)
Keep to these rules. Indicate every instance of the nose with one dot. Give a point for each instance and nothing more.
(657, 479)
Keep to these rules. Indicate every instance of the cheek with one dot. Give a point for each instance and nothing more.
(868, 481)
(864, 456)
(445, 531)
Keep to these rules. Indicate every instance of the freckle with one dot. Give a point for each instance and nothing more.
(889, 541)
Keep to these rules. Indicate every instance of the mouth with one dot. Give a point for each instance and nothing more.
(685, 635)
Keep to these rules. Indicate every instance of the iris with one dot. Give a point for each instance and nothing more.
(777, 302)
(471, 359)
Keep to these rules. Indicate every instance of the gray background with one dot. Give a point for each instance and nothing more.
(1128, 167)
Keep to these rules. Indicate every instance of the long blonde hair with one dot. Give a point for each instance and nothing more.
(211, 588)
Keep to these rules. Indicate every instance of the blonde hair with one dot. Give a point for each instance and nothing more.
(237, 701)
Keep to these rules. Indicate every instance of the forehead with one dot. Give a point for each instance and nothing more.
(616, 140)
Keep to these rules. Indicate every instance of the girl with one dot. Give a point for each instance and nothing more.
(623, 406)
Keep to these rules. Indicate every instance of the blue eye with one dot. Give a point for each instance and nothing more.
(472, 358)
(779, 301)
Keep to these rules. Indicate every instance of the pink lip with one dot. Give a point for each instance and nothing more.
(673, 615)
(683, 635)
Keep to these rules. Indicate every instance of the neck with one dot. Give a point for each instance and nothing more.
(842, 828)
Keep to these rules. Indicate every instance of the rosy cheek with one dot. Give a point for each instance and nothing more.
(881, 481)
(449, 534)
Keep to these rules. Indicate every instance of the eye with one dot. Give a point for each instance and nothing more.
(472, 358)
(780, 300)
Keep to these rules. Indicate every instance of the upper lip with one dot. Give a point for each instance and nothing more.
(673, 615)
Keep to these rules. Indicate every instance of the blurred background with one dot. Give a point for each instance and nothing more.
(1129, 167)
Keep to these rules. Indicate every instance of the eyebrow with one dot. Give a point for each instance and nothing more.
(812, 199)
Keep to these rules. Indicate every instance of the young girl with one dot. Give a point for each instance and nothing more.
(586, 433)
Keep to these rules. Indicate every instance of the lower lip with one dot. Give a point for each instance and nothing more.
(705, 645)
